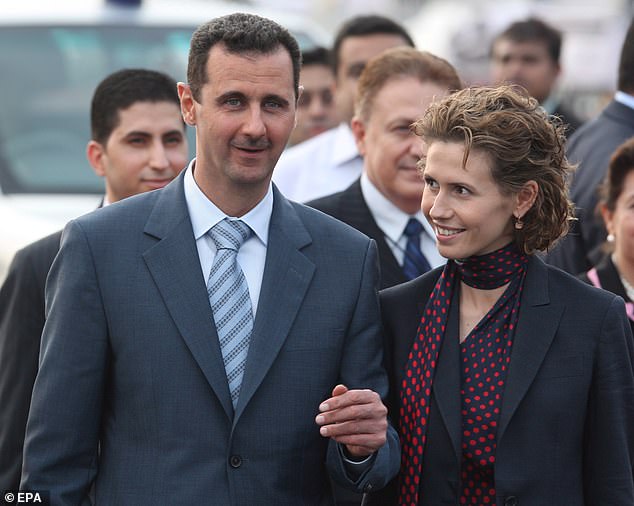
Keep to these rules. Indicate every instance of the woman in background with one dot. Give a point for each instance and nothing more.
(615, 272)
(512, 381)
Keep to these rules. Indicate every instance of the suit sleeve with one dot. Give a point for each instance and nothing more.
(609, 432)
(362, 367)
(63, 428)
(21, 323)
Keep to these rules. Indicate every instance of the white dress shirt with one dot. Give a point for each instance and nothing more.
(392, 221)
(251, 255)
(324, 164)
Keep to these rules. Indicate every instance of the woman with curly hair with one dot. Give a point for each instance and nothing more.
(512, 381)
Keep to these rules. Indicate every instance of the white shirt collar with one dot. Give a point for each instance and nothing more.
(390, 219)
(344, 147)
(204, 214)
(624, 98)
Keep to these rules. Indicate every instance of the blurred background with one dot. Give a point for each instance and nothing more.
(53, 54)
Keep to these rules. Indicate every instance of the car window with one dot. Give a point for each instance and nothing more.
(48, 76)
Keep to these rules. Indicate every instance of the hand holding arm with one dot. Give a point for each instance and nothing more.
(354, 418)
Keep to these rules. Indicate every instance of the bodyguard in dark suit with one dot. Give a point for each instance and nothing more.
(394, 90)
(528, 53)
(512, 381)
(196, 350)
(591, 148)
(138, 142)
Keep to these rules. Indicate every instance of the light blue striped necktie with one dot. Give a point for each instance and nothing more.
(230, 301)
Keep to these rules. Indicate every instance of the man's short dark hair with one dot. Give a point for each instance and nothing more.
(534, 30)
(361, 26)
(240, 34)
(121, 90)
(626, 64)
(316, 56)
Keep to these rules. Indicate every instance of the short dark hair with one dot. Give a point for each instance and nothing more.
(360, 26)
(122, 89)
(523, 142)
(534, 30)
(316, 56)
(240, 34)
(626, 63)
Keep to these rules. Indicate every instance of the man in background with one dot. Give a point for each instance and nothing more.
(137, 144)
(330, 162)
(528, 53)
(394, 91)
(591, 148)
(316, 110)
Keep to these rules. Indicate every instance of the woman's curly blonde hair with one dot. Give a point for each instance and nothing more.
(524, 144)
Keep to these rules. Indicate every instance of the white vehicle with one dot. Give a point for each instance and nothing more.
(52, 56)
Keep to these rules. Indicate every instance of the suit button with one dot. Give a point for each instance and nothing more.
(235, 461)
(511, 501)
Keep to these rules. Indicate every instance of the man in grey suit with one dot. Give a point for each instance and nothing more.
(163, 383)
(591, 147)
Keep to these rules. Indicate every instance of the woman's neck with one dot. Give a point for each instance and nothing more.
(474, 305)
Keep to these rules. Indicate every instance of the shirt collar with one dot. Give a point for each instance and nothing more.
(624, 98)
(204, 214)
(344, 147)
(390, 219)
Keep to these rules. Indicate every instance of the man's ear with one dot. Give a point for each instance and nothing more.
(358, 130)
(95, 153)
(187, 103)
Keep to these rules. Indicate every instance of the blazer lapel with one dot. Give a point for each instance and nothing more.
(355, 208)
(446, 384)
(538, 322)
(287, 276)
(175, 267)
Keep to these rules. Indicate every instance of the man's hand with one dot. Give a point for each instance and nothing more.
(354, 418)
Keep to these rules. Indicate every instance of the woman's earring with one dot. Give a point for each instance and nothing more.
(519, 224)
(610, 238)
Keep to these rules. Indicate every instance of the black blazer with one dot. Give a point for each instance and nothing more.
(566, 429)
(350, 207)
(591, 147)
(609, 279)
(21, 324)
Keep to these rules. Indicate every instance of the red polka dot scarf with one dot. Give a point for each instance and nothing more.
(506, 265)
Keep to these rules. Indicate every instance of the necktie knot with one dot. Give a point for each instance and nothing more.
(229, 234)
(413, 228)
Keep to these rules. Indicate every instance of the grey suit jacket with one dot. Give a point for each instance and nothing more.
(350, 207)
(131, 363)
(591, 147)
(21, 324)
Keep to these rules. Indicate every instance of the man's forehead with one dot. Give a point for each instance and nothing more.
(525, 46)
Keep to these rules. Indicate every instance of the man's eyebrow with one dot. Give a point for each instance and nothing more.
(229, 94)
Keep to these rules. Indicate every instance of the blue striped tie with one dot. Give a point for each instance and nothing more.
(230, 300)
(414, 262)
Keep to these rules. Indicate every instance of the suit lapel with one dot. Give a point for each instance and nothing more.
(175, 267)
(538, 322)
(287, 276)
(357, 213)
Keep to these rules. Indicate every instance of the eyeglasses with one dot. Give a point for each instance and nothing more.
(323, 95)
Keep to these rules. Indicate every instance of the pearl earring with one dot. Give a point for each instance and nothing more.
(610, 238)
